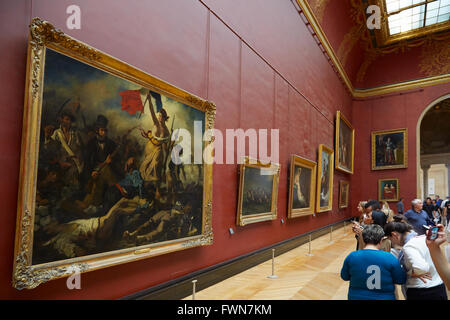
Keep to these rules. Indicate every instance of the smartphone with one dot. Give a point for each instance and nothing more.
(356, 223)
(433, 233)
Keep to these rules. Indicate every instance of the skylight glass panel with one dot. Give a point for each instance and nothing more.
(406, 15)
(406, 20)
(395, 5)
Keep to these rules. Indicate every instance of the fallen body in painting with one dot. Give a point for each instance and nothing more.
(92, 229)
(144, 222)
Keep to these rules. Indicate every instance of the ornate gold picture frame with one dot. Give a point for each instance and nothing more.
(390, 149)
(302, 187)
(388, 189)
(97, 187)
(345, 144)
(258, 192)
(344, 191)
(325, 173)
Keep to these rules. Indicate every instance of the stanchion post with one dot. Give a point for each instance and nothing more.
(193, 289)
(331, 234)
(309, 254)
(273, 275)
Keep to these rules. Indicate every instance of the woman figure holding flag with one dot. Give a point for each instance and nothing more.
(157, 146)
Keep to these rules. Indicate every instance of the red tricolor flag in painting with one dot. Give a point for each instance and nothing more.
(131, 101)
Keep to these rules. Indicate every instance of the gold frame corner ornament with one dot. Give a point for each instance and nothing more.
(43, 35)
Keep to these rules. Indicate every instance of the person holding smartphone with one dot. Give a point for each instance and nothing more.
(434, 245)
(423, 281)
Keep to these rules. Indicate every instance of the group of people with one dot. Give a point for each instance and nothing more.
(396, 249)
(97, 193)
(435, 208)
(258, 196)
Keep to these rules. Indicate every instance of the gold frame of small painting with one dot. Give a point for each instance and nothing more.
(301, 203)
(344, 191)
(325, 186)
(345, 144)
(383, 190)
(253, 192)
(389, 149)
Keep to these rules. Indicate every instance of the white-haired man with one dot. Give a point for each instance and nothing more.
(417, 217)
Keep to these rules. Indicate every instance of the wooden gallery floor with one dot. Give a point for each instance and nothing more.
(300, 277)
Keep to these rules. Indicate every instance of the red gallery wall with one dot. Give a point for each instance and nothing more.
(401, 110)
(255, 59)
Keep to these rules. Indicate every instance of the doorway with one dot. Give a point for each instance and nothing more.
(434, 146)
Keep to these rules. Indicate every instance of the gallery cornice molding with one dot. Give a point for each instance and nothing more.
(401, 86)
(370, 92)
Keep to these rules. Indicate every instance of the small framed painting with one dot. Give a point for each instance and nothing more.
(302, 187)
(258, 192)
(388, 190)
(325, 173)
(344, 190)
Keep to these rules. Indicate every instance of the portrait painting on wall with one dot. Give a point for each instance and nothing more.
(345, 141)
(99, 184)
(388, 189)
(258, 192)
(344, 191)
(325, 174)
(390, 149)
(302, 187)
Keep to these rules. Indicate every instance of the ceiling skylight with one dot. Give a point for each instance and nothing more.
(406, 15)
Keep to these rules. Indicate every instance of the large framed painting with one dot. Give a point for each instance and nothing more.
(345, 144)
(104, 178)
(325, 171)
(390, 149)
(258, 192)
(388, 190)
(344, 191)
(302, 187)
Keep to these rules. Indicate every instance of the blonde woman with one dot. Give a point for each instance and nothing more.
(358, 226)
(361, 211)
(388, 212)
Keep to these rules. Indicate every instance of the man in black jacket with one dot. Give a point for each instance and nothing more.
(378, 216)
(100, 153)
(428, 208)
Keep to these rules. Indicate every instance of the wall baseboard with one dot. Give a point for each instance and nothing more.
(182, 287)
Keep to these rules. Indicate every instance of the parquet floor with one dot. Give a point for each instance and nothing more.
(300, 277)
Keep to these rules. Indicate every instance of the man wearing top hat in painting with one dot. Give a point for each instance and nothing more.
(100, 152)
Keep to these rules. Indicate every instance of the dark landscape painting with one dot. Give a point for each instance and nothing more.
(257, 191)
